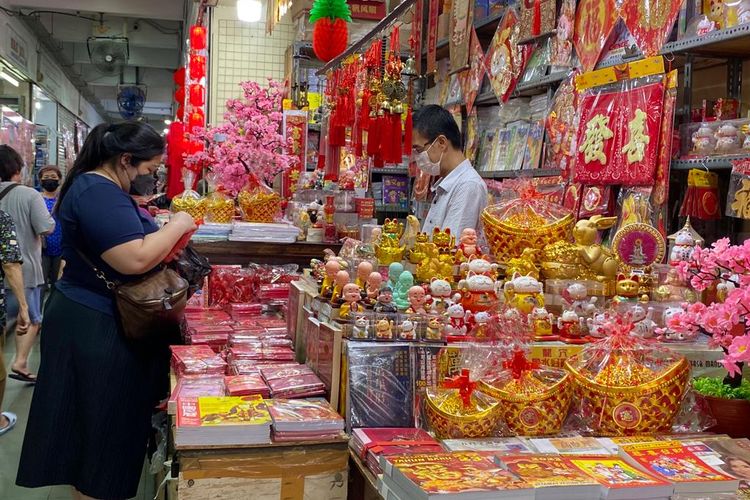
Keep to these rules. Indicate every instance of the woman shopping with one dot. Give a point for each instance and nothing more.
(91, 413)
(49, 178)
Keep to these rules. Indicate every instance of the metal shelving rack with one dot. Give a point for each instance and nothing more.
(531, 172)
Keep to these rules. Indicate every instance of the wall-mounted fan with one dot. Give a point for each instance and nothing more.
(130, 100)
(108, 54)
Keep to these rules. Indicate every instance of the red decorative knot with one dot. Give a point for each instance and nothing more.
(464, 385)
(519, 364)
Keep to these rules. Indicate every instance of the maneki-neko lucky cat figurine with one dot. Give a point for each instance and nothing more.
(570, 328)
(445, 243)
(523, 293)
(389, 249)
(541, 324)
(478, 292)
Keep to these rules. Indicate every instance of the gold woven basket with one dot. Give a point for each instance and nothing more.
(259, 206)
(445, 420)
(538, 414)
(507, 240)
(647, 408)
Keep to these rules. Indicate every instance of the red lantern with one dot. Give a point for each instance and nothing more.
(198, 36)
(197, 94)
(179, 77)
(197, 67)
(180, 112)
(196, 119)
(179, 95)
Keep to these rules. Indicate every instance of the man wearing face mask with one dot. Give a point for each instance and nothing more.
(460, 194)
(49, 178)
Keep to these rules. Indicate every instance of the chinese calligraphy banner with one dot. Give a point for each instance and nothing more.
(295, 133)
(432, 26)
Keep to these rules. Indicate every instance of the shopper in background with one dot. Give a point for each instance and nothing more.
(90, 417)
(10, 257)
(460, 194)
(50, 178)
(29, 213)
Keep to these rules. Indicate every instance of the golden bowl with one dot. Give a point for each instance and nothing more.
(449, 419)
(507, 240)
(626, 410)
(540, 413)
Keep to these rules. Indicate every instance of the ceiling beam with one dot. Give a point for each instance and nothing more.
(154, 9)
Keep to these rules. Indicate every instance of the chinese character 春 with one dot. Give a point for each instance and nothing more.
(597, 131)
(636, 147)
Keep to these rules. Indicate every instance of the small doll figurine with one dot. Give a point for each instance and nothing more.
(570, 328)
(643, 326)
(361, 327)
(576, 300)
(351, 295)
(541, 324)
(332, 267)
(434, 326)
(456, 326)
(440, 291)
(468, 248)
(372, 288)
(703, 140)
(727, 139)
(684, 246)
(384, 303)
(401, 292)
(364, 269)
(384, 329)
(480, 330)
(627, 289)
(417, 298)
(408, 330)
(342, 279)
(599, 325)
(524, 293)
(394, 273)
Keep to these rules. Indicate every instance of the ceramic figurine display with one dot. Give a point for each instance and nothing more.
(541, 323)
(523, 293)
(478, 292)
(703, 140)
(361, 327)
(480, 329)
(627, 289)
(441, 294)
(407, 330)
(457, 324)
(669, 335)
(384, 329)
(434, 329)
(422, 249)
(467, 247)
(332, 268)
(570, 328)
(598, 325)
(643, 324)
(417, 298)
(727, 139)
(389, 249)
(394, 272)
(583, 259)
(684, 246)
(674, 289)
(524, 265)
(351, 295)
(384, 302)
(364, 269)
(577, 300)
(479, 266)
(341, 280)
(401, 292)
(372, 287)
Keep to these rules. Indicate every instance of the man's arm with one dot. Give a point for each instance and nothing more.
(14, 279)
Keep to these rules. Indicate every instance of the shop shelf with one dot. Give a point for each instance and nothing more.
(532, 172)
(390, 208)
(391, 171)
(527, 89)
(710, 162)
(725, 43)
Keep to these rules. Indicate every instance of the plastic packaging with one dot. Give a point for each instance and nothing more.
(626, 385)
(189, 201)
(595, 20)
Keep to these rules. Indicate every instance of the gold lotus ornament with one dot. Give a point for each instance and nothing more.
(457, 410)
(534, 399)
(627, 387)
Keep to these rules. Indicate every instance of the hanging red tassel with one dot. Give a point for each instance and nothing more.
(384, 128)
(394, 147)
(373, 137)
(408, 124)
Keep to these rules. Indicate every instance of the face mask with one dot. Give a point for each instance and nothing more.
(144, 185)
(50, 185)
(425, 164)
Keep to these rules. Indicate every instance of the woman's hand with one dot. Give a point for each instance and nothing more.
(183, 220)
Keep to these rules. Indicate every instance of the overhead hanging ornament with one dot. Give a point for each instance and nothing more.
(331, 33)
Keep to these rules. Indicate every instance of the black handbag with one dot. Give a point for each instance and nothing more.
(193, 267)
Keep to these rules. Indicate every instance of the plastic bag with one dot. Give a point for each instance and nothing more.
(189, 201)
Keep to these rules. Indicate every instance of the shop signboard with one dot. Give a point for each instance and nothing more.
(17, 46)
(367, 9)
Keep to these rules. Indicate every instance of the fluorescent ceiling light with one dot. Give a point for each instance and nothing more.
(249, 11)
(9, 79)
(167, 122)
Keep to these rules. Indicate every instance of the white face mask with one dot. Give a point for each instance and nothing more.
(425, 164)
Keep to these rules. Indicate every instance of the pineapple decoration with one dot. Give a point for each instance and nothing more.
(331, 33)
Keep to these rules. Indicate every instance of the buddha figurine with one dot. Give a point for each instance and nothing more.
(332, 267)
(364, 269)
(417, 299)
(372, 288)
(401, 292)
(352, 295)
(467, 247)
(394, 272)
(342, 279)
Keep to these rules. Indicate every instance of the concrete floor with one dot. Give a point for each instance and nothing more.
(18, 400)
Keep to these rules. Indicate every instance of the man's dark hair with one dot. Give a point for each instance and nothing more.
(432, 121)
(11, 163)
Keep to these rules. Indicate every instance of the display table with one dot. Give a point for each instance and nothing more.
(363, 484)
(241, 252)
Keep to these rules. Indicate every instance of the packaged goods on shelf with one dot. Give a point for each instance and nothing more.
(222, 421)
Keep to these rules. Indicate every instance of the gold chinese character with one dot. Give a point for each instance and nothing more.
(355, 8)
(597, 131)
(636, 148)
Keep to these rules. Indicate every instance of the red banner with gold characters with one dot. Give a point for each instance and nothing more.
(595, 20)
(295, 133)
(432, 26)
(416, 34)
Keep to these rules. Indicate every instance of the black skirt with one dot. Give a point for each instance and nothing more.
(90, 416)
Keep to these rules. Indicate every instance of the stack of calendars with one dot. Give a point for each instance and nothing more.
(227, 421)
(247, 385)
(292, 381)
(371, 444)
(304, 420)
(463, 474)
(265, 233)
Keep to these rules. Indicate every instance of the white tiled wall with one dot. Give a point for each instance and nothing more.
(242, 51)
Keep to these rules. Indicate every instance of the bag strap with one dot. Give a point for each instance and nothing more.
(111, 285)
(8, 189)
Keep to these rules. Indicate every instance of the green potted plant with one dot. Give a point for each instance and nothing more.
(727, 321)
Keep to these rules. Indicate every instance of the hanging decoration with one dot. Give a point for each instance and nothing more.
(505, 59)
(394, 92)
(650, 22)
(595, 20)
(330, 31)
(471, 79)
(198, 37)
(462, 14)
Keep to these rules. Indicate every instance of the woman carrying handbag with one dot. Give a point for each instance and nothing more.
(101, 365)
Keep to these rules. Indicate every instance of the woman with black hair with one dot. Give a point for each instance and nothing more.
(91, 413)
